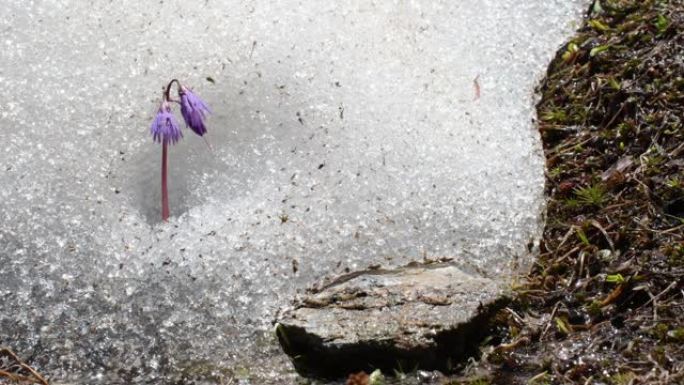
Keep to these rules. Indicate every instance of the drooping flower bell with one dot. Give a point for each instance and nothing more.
(165, 128)
(194, 110)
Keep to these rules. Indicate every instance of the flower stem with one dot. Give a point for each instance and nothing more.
(168, 88)
(164, 178)
(164, 189)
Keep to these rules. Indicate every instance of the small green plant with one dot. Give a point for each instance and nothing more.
(594, 308)
(622, 378)
(376, 378)
(597, 50)
(614, 84)
(554, 116)
(655, 161)
(555, 172)
(598, 25)
(591, 196)
(582, 236)
(676, 334)
(615, 278)
(660, 331)
(562, 325)
(662, 24)
(572, 203)
(571, 52)
(401, 373)
(674, 182)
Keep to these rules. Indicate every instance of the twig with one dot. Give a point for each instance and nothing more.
(613, 295)
(510, 346)
(622, 107)
(515, 316)
(595, 223)
(38, 378)
(548, 324)
(537, 377)
(656, 297)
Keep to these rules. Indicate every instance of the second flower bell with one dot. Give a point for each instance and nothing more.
(193, 109)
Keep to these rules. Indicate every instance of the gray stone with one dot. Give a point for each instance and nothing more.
(420, 315)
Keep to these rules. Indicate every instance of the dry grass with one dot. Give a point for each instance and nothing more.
(14, 370)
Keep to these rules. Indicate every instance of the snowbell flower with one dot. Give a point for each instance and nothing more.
(165, 128)
(194, 110)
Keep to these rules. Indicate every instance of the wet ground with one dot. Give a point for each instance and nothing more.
(603, 303)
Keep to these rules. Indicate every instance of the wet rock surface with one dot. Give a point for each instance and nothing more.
(420, 315)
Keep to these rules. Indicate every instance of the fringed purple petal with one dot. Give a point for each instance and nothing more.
(194, 111)
(165, 128)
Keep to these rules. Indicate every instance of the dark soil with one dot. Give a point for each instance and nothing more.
(605, 302)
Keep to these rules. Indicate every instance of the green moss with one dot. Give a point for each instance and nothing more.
(624, 378)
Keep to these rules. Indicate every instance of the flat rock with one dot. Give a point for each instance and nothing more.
(424, 315)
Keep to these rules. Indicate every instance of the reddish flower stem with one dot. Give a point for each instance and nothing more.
(168, 88)
(164, 166)
(164, 189)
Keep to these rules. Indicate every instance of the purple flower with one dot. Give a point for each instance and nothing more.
(164, 127)
(194, 110)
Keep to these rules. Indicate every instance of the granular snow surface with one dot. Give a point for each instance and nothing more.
(344, 134)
